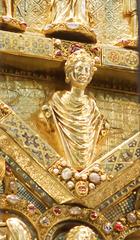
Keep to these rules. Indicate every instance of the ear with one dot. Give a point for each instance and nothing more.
(67, 80)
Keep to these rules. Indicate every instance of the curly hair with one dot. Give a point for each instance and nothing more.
(79, 55)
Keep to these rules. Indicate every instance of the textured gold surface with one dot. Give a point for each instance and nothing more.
(108, 189)
(25, 86)
(21, 92)
(30, 46)
(33, 169)
(19, 211)
(112, 164)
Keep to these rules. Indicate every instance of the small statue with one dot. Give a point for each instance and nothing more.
(69, 11)
(130, 11)
(81, 233)
(8, 21)
(74, 115)
(70, 19)
(14, 229)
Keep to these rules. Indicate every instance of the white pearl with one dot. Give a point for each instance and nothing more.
(97, 59)
(63, 163)
(96, 169)
(13, 199)
(45, 107)
(70, 184)
(77, 175)
(103, 177)
(56, 171)
(94, 178)
(66, 174)
(92, 186)
(75, 211)
(58, 42)
(84, 176)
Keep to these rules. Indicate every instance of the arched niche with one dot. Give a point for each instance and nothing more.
(60, 230)
(133, 236)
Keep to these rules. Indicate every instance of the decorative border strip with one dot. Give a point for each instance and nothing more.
(42, 152)
(38, 46)
(38, 174)
(26, 179)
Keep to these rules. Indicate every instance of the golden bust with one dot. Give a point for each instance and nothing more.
(81, 233)
(74, 115)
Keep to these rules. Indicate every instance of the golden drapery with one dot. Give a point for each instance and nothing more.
(78, 122)
(130, 11)
(68, 11)
(129, 6)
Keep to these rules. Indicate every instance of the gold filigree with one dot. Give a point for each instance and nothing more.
(65, 213)
(37, 173)
(106, 189)
(4, 110)
(58, 51)
(18, 210)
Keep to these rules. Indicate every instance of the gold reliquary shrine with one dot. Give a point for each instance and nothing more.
(69, 120)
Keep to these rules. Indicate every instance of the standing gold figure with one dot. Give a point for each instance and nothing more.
(76, 117)
(69, 11)
(130, 11)
(70, 19)
(9, 8)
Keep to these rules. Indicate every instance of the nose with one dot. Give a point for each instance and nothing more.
(83, 71)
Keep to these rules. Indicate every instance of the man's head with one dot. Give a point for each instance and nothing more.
(79, 69)
(81, 233)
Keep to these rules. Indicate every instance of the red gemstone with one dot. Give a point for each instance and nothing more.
(75, 47)
(95, 50)
(118, 227)
(57, 211)
(8, 170)
(93, 215)
(23, 26)
(58, 53)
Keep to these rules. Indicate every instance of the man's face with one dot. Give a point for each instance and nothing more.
(83, 234)
(82, 72)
